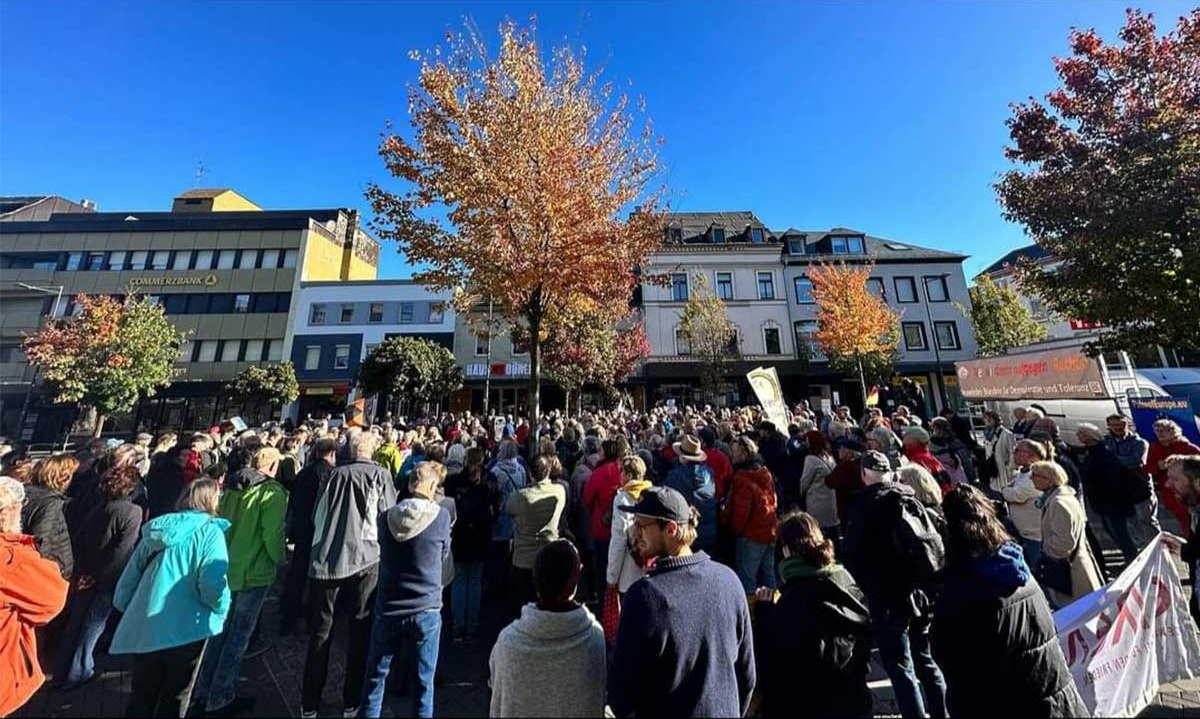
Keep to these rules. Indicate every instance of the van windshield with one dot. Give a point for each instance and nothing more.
(1191, 391)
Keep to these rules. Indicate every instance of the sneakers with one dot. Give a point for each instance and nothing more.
(349, 712)
(308, 714)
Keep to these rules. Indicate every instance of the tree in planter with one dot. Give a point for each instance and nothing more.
(408, 367)
(274, 384)
(711, 336)
(999, 319)
(536, 164)
(108, 355)
(856, 329)
(1109, 183)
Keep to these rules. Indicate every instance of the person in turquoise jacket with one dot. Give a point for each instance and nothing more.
(173, 595)
(256, 549)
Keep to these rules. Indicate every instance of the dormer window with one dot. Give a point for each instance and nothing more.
(756, 234)
(839, 245)
(795, 245)
(847, 245)
(718, 235)
(676, 234)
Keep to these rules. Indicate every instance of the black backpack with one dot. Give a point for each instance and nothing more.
(916, 539)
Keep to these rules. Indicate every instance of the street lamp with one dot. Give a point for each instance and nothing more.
(57, 291)
(937, 352)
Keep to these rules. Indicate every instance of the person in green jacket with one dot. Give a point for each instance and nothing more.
(389, 454)
(256, 549)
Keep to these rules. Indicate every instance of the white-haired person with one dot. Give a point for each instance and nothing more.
(1025, 517)
(1067, 570)
(1169, 442)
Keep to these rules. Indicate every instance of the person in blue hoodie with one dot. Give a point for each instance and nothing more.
(173, 595)
(993, 633)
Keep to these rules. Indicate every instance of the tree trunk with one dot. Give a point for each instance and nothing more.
(535, 372)
(862, 382)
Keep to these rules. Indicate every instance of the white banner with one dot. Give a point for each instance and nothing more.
(765, 383)
(1123, 641)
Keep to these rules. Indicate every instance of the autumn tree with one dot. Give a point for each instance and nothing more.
(601, 348)
(521, 170)
(711, 336)
(999, 319)
(273, 384)
(1109, 182)
(410, 368)
(108, 355)
(856, 329)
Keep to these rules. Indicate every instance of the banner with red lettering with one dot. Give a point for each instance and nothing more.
(1050, 374)
(1127, 639)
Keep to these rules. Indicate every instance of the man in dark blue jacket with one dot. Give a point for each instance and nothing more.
(414, 542)
(685, 646)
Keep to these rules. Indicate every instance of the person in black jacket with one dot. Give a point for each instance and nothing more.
(165, 482)
(102, 545)
(301, 501)
(470, 540)
(993, 632)
(1105, 489)
(44, 514)
(814, 641)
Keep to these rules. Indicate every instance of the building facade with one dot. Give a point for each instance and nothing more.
(339, 323)
(225, 271)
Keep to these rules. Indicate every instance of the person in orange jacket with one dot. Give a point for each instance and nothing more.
(32, 592)
(750, 516)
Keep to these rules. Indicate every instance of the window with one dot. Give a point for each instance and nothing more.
(347, 315)
(317, 314)
(371, 348)
(481, 344)
(756, 234)
(226, 259)
(725, 285)
(341, 357)
(806, 337)
(116, 260)
(1035, 307)
(679, 287)
(406, 312)
(230, 350)
(269, 260)
(159, 258)
(914, 336)
(854, 245)
(208, 351)
(220, 303)
(795, 245)
(95, 261)
(289, 258)
(437, 312)
(519, 348)
(254, 350)
(182, 259)
(75, 261)
(153, 299)
(275, 350)
(270, 301)
(947, 335)
(197, 304)
(175, 304)
(733, 343)
(312, 357)
(247, 259)
(186, 348)
(204, 260)
(766, 285)
(376, 313)
(718, 235)
(876, 287)
(138, 259)
(804, 291)
(682, 347)
(771, 341)
(935, 289)
(839, 245)
(241, 304)
(906, 290)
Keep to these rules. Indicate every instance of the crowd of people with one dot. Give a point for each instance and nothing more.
(673, 561)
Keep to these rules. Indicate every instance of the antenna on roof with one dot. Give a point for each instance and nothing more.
(199, 173)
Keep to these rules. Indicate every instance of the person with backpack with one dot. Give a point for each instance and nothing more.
(813, 638)
(694, 480)
(898, 554)
(625, 566)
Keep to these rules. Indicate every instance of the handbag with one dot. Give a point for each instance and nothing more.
(610, 615)
(1056, 573)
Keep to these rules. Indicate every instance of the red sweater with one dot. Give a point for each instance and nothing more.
(598, 495)
(1159, 451)
(721, 467)
(751, 508)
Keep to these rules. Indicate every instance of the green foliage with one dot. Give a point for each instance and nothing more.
(408, 367)
(711, 335)
(274, 384)
(999, 319)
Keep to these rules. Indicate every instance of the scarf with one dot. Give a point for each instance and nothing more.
(796, 567)
(1043, 500)
(636, 487)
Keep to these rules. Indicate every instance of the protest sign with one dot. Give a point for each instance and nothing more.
(765, 383)
(1123, 641)
(498, 425)
(1146, 411)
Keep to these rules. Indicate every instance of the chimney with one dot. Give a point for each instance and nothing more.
(89, 205)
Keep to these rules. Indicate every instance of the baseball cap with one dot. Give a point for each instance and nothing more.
(661, 503)
(876, 461)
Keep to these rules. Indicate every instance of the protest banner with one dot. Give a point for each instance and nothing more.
(765, 383)
(1179, 409)
(498, 425)
(1052, 374)
(1125, 640)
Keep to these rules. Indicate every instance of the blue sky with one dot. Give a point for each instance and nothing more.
(884, 117)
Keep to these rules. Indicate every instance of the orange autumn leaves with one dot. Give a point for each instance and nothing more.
(852, 322)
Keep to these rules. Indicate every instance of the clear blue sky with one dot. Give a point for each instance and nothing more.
(885, 117)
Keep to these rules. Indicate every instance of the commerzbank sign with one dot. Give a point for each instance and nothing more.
(174, 281)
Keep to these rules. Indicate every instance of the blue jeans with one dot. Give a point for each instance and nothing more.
(755, 564)
(89, 613)
(904, 651)
(217, 682)
(464, 596)
(1117, 527)
(419, 633)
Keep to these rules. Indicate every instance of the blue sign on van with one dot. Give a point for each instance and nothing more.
(1179, 409)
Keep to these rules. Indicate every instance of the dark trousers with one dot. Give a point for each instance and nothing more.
(323, 595)
(162, 681)
(520, 590)
(291, 600)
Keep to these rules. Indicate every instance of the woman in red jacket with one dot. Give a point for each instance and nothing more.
(1170, 441)
(32, 592)
(750, 516)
